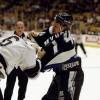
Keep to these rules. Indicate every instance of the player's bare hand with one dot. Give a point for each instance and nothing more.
(33, 34)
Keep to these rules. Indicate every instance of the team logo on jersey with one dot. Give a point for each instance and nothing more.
(52, 38)
(8, 40)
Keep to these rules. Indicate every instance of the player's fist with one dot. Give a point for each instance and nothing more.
(33, 34)
(40, 53)
(2, 72)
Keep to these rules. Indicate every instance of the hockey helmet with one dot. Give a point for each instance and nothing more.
(63, 18)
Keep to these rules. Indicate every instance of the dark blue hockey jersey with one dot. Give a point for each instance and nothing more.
(57, 46)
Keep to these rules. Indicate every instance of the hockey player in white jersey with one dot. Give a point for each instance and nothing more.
(14, 50)
(15, 53)
(22, 77)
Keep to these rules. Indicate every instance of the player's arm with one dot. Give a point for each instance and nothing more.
(35, 70)
(40, 53)
(32, 34)
(33, 39)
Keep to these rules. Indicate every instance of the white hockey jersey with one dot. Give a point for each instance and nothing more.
(17, 52)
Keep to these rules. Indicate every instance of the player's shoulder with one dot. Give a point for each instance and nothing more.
(6, 34)
(46, 31)
(25, 35)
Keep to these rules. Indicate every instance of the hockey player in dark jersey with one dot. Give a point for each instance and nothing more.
(60, 55)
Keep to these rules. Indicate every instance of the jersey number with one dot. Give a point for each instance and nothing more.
(8, 40)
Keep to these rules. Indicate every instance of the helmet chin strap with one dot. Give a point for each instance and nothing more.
(67, 27)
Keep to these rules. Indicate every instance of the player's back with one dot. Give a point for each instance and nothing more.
(10, 44)
(14, 49)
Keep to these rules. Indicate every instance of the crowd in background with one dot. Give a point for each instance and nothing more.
(38, 14)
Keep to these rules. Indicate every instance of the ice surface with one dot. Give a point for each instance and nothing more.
(91, 88)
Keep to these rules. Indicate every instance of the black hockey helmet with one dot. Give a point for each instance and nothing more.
(63, 18)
